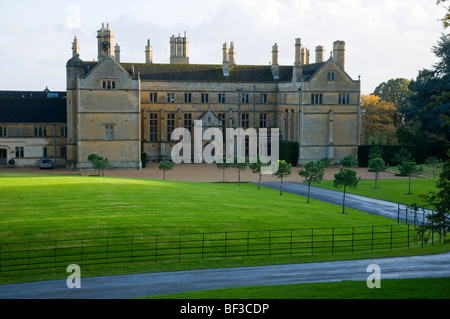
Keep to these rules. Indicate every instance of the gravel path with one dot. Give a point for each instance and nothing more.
(197, 173)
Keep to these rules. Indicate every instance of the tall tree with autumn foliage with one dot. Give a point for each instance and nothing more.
(446, 18)
(380, 120)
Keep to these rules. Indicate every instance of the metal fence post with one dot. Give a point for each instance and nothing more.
(408, 236)
(156, 248)
(406, 213)
(353, 237)
(291, 242)
(132, 249)
(371, 248)
(270, 239)
(248, 242)
(55, 253)
(179, 247)
(332, 242)
(28, 257)
(390, 245)
(226, 235)
(203, 244)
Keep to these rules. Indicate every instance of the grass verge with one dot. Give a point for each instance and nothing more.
(394, 190)
(418, 288)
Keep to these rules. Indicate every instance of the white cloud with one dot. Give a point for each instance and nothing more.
(384, 38)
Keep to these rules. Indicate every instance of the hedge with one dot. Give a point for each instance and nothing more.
(418, 152)
(289, 152)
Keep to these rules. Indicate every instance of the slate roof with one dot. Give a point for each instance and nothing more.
(32, 94)
(33, 110)
(206, 72)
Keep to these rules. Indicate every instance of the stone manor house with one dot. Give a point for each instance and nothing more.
(119, 109)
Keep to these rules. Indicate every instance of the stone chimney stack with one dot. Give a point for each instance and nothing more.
(275, 54)
(185, 45)
(320, 51)
(105, 41)
(148, 53)
(298, 50)
(297, 73)
(225, 61)
(225, 53)
(75, 47)
(117, 52)
(232, 54)
(275, 66)
(339, 53)
(179, 50)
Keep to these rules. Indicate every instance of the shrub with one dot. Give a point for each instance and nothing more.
(144, 159)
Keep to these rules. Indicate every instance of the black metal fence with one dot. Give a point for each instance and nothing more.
(412, 214)
(47, 255)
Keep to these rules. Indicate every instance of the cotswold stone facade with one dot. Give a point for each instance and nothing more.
(119, 110)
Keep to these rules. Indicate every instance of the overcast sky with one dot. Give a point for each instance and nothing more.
(385, 39)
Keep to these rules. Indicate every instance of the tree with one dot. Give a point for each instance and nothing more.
(241, 165)
(403, 155)
(430, 103)
(326, 161)
(349, 161)
(284, 169)
(446, 18)
(223, 166)
(380, 120)
(409, 169)
(377, 165)
(165, 166)
(313, 173)
(346, 178)
(434, 162)
(375, 151)
(144, 159)
(92, 158)
(440, 201)
(395, 91)
(99, 163)
(257, 169)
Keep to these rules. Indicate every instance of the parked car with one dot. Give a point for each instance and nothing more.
(46, 163)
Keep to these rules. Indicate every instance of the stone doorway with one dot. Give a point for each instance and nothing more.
(3, 157)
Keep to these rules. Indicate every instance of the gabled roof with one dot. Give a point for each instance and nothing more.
(208, 118)
(33, 110)
(90, 67)
(321, 65)
(309, 70)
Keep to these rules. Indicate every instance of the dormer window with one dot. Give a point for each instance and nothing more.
(109, 85)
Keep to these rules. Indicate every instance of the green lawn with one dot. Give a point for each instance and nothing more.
(427, 170)
(394, 190)
(63, 207)
(57, 208)
(420, 288)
